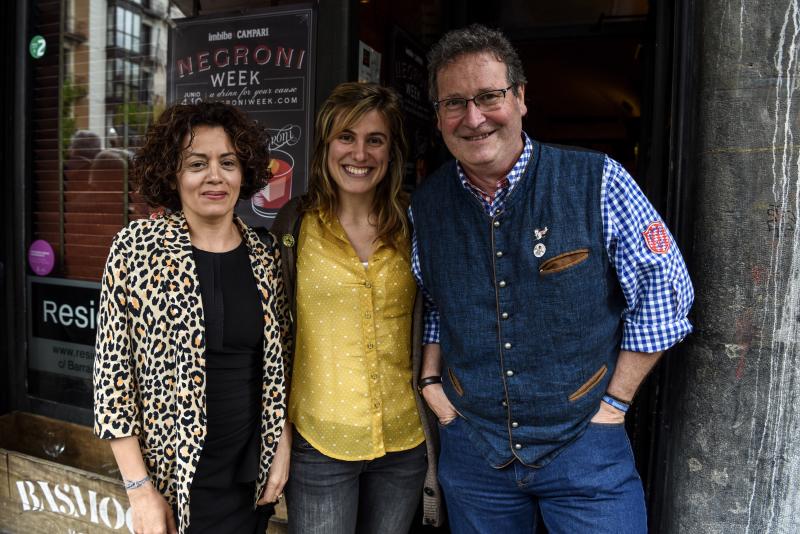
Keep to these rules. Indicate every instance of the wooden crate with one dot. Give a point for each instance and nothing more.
(78, 492)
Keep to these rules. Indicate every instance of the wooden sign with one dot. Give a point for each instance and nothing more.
(57, 478)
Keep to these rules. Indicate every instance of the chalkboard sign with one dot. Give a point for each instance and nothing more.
(408, 75)
(262, 61)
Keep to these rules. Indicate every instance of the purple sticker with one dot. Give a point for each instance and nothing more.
(41, 257)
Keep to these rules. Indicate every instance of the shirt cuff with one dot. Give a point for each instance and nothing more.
(654, 337)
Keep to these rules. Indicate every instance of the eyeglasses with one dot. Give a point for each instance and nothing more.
(453, 108)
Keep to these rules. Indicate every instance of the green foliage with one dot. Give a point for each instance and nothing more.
(138, 116)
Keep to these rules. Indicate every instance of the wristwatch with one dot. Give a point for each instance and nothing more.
(427, 381)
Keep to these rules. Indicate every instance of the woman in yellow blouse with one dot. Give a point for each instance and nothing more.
(358, 457)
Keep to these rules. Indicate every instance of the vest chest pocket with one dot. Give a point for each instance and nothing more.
(564, 261)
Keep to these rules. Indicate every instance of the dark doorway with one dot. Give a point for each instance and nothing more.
(586, 64)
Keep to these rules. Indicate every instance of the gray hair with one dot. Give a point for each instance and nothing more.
(473, 39)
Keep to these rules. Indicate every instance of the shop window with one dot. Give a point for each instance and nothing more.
(102, 82)
(92, 103)
(94, 93)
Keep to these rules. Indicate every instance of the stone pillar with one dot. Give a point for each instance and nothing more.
(734, 443)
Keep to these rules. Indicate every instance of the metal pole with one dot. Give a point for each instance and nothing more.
(61, 237)
(19, 227)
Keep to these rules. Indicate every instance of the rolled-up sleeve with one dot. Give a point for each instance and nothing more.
(649, 266)
(116, 396)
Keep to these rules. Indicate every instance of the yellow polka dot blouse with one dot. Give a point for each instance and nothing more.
(351, 395)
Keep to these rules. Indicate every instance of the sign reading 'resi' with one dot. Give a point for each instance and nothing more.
(63, 325)
(261, 62)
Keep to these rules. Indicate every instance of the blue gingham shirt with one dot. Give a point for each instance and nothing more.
(656, 287)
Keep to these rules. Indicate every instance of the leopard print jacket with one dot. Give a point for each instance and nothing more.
(149, 372)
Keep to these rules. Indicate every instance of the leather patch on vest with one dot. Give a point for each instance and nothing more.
(589, 384)
(455, 382)
(564, 261)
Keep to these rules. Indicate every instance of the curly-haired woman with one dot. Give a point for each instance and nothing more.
(193, 328)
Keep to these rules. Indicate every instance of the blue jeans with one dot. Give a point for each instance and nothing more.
(329, 496)
(592, 486)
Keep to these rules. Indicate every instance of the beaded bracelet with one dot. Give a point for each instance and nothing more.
(134, 484)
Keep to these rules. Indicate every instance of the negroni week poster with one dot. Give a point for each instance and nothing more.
(262, 62)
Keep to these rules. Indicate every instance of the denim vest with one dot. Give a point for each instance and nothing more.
(530, 304)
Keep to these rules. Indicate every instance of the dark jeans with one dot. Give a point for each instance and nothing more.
(591, 486)
(328, 496)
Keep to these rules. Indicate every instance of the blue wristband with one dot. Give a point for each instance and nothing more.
(619, 405)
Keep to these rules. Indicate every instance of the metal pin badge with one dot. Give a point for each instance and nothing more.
(539, 233)
(288, 240)
(539, 250)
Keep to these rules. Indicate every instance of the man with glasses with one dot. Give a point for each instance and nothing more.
(552, 288)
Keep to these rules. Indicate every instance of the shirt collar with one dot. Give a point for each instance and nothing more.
(513, 176)
(332, 224)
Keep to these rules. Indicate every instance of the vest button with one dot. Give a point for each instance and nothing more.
(518, 446)
(505, 404)
(506, 345)
(496, 224)
(501, 283)
(429, 492)
(499, 254)
(514, 424)
(509, 373)
(504, 315)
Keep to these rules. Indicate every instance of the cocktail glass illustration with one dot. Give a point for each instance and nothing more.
(269, 200)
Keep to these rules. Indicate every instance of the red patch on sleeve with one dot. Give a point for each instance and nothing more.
(657, 238)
